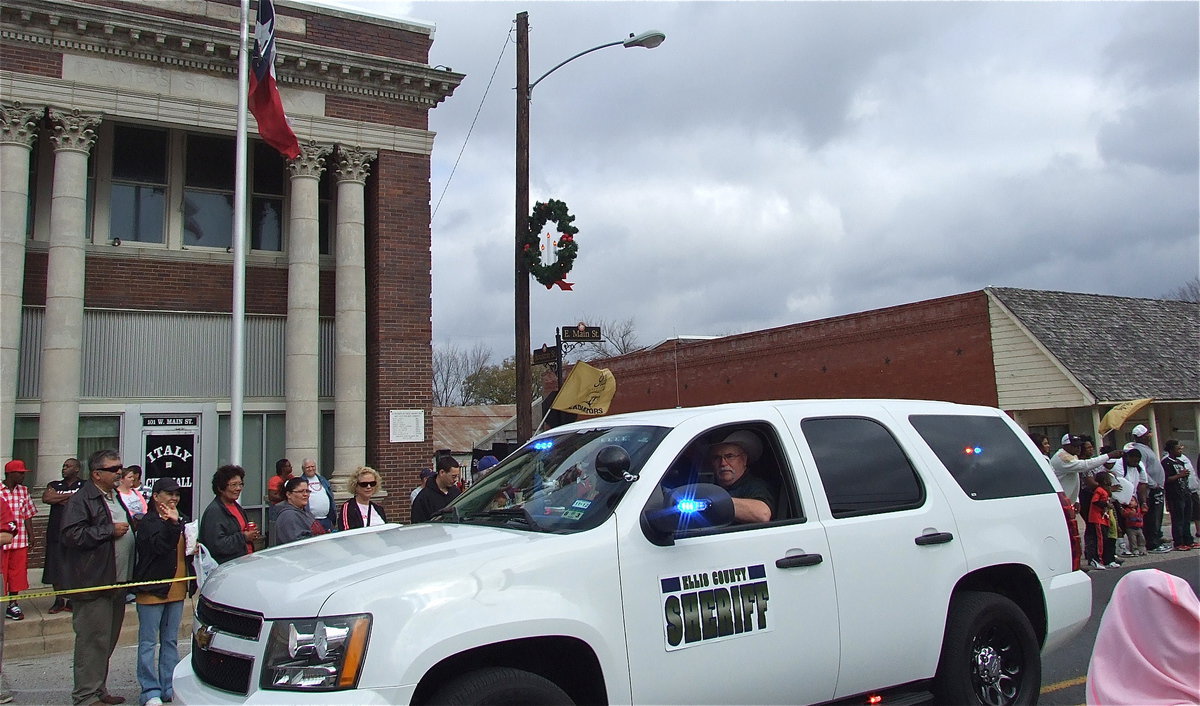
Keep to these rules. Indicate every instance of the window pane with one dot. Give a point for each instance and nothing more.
(323, 226)
(983, 455)
(137, 213)
(269, 170)
(207, 219)
(253, 493)
(24, 447)
(210, 162)
(266, 230)
(139, 154)
(862, 468)
(96, 433)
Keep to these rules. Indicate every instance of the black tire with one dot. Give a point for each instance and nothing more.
(501, 686)
(990, 654)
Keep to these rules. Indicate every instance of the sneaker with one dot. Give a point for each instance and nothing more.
(153, 702)
(14, 612)
(1141, 552)
(1183, 548)
(1097, 565)
(1162, 549)
(6, 697)
(1113, 565)
(1127, 554)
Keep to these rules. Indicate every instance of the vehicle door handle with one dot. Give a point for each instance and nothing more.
(935, 538)
(791, 562)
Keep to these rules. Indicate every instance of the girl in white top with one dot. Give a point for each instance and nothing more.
(131, 494)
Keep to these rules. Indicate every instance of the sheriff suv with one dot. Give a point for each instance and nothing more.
(912, 551)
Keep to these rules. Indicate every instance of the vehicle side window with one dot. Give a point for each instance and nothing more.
(862, 467)
(983, 455)
(770, 467)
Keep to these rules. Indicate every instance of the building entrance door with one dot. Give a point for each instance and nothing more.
(171, 449)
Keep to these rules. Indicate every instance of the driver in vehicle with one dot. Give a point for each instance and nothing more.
(730, 459)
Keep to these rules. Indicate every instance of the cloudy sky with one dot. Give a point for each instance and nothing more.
(780, 162)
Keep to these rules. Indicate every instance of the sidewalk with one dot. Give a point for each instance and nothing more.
(41, 633)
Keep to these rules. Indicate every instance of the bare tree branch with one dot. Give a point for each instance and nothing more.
(452, 366)
(1188, 291)
(620, 337)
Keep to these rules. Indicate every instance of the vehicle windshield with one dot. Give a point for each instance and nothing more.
(560, 483)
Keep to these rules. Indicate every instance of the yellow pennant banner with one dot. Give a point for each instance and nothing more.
(587, 390)
(1120, 412)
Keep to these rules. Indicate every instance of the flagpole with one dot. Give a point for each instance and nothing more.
(238, 352)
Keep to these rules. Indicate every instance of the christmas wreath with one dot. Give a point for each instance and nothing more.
(565, 247)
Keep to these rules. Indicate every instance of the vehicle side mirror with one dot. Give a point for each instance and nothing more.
(689, 507)
(612, 464)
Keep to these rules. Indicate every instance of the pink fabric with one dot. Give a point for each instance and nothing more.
(1148, 647)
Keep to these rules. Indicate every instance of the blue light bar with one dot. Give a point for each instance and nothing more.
(690, 506)
(543, 445)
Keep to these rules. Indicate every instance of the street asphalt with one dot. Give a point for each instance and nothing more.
(47, 679)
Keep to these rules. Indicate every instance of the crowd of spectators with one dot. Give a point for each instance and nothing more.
(1121, 494)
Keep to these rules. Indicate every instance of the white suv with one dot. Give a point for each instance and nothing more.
(913, 548)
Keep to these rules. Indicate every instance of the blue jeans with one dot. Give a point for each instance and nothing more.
(158, 624)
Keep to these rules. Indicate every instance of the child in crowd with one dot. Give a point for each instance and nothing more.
(1101, 520)
(1132, 513)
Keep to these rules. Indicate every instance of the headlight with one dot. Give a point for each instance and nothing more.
(321, 654)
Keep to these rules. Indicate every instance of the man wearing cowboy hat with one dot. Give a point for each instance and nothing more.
(730, 457)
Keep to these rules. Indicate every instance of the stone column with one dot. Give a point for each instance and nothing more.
(18, 132)
(302, 430)
(62, 328)
(350, 325)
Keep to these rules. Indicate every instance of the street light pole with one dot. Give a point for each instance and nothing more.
(524, 381)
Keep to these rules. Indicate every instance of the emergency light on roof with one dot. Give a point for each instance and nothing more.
(543, 445)
(973, 450)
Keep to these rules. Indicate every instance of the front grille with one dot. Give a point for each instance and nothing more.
(229, 620)
(222, 671)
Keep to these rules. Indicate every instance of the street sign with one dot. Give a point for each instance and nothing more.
(545, 355)
(581, 334)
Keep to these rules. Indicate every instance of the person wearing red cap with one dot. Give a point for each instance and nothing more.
(8, 532)
(14, 558)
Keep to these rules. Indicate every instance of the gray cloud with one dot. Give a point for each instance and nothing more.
(779, 162)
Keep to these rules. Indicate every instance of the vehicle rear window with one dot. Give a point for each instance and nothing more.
(863, 469)
(983, 454)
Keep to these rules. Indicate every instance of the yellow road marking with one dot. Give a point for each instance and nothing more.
(1066, 684)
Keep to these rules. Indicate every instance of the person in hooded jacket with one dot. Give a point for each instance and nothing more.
(292, 520)
(161, 554)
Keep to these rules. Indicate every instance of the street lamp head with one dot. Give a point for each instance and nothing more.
(648, 39)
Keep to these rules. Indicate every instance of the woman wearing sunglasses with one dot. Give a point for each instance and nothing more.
(359, 511)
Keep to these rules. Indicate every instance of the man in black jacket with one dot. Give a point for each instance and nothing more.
(97, 551)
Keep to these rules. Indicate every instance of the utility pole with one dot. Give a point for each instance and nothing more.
(521, 292)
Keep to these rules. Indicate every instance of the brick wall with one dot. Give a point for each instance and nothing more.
(22, 59)
(113, 281)
(938, 349)
(385, 112)
(399, 328)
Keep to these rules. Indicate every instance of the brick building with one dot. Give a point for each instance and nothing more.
(1053, 360)
(117, 147)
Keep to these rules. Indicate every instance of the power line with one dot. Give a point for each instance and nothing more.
(507, 39)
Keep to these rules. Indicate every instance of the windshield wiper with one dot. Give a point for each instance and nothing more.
(514, 515)
(449, 513)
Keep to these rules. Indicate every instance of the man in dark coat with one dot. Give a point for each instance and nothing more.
(97, 551)
(438, 491)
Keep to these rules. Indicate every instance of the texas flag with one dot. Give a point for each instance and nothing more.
(265, 104)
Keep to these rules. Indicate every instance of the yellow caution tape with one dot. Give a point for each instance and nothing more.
(43, 594)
